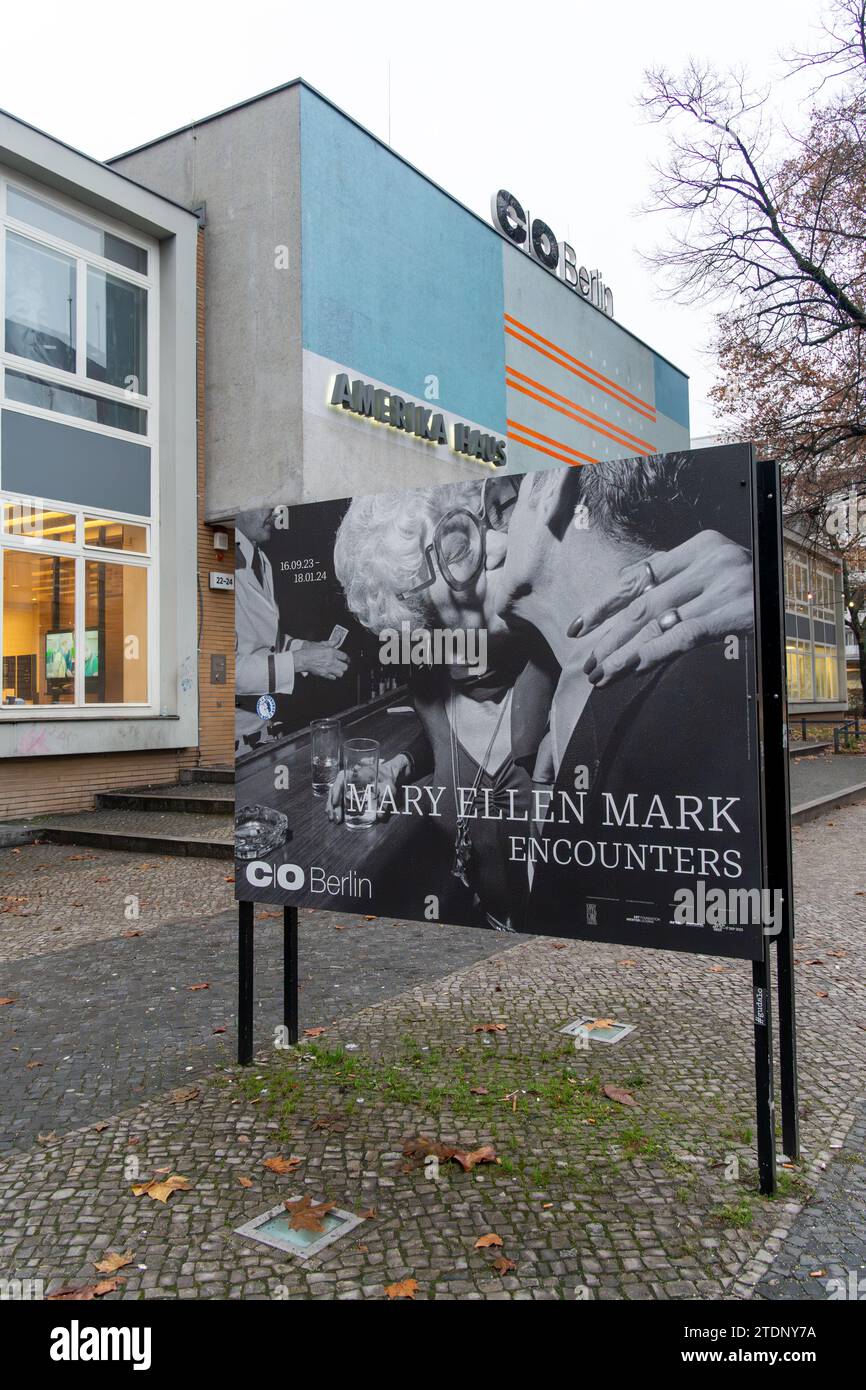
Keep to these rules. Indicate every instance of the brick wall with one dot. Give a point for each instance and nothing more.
(216, 607)
(39, 786)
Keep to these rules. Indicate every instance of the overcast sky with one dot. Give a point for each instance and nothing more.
(536, 97)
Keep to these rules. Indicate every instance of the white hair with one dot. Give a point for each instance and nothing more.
(378, 551)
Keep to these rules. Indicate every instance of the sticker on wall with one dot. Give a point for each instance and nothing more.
(266, 707)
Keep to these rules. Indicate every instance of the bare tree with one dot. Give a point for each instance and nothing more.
(770, 225)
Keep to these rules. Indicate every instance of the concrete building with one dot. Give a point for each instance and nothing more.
(235, 272)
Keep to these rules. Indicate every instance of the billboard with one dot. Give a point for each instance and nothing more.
(528, 703)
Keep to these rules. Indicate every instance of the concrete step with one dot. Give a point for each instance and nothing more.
(807, 750)
(142, 832)
(224, 775)
(197, 798)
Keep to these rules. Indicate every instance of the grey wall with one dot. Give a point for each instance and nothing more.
(246, 167)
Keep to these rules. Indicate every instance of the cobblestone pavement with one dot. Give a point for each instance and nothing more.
(591, 1197)
(106, 1025)
(55, 897)
(825, 1253)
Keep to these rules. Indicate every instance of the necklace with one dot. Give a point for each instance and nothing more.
(463, 848)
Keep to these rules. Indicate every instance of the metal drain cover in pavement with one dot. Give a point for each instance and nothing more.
(272, 1228)
(610, 1032)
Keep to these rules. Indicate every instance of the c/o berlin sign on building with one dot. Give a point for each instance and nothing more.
(534, 237)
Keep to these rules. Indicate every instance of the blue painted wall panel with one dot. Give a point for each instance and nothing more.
(672, 392)
(399, 282)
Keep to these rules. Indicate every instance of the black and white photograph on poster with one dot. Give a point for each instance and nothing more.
(521, 702)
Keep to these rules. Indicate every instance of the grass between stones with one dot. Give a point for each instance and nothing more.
(545, 1112)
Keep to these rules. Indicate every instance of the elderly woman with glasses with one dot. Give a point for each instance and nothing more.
(429, 558)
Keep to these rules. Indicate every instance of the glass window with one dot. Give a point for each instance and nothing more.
(40, 303)
(31, 390)
(26, 518)
(799, 669)
(116, 331)
(826, 673)
(38, 629)
(115, 535)
(63, 225)
(115, 657)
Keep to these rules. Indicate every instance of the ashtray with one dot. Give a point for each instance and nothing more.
(259, 830)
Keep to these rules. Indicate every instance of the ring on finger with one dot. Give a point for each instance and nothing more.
(651, 580)
(669, 619)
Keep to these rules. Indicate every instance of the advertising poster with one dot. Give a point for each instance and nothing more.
(526, 703)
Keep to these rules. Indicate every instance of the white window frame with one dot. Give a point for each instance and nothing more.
(148, 402)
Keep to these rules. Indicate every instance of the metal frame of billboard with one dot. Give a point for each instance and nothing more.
(775, 835)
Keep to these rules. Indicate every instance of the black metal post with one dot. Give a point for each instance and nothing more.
(766, 1107)
(245, 983)
(290, 972)
(777, 796)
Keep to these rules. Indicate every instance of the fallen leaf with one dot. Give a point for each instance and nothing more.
(218, 1030)
(113, 1262)
(821, 994)
(229, 878)
(364, 1249)
(370, 919)
(503, 1265)
(422, 1147)
(47, 1138)
(840, 954)
(103, 1124)
(306, 1215)
(183, 1094)
(269, 914)
(468, 1161)
(816, 961)
(407, 1288)
(9, 999)
(245, 1182)
(331, 1122)
(369, 1215)
(193, 988)
(160, 1191)
(282, 1165)
(129, 934)
(314, 1032)
(618, 1094)
(34, 1063)
(717, 969)
(559, 945)
(483, 1242)
(84, 1291)
(626, 962)
(817, 1273)
(490, 1028)
(479, 1091)
(601, 1023)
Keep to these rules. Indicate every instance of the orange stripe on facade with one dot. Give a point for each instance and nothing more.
(533, 395)
(559, 362)
(509, 318)
(619, 435)
(573, 456)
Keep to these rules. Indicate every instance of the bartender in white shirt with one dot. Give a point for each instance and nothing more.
(266, 661)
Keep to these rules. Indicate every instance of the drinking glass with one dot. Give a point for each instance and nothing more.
(324, 754)
(361, 773)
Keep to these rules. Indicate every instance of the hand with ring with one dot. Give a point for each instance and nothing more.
(666, 604)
